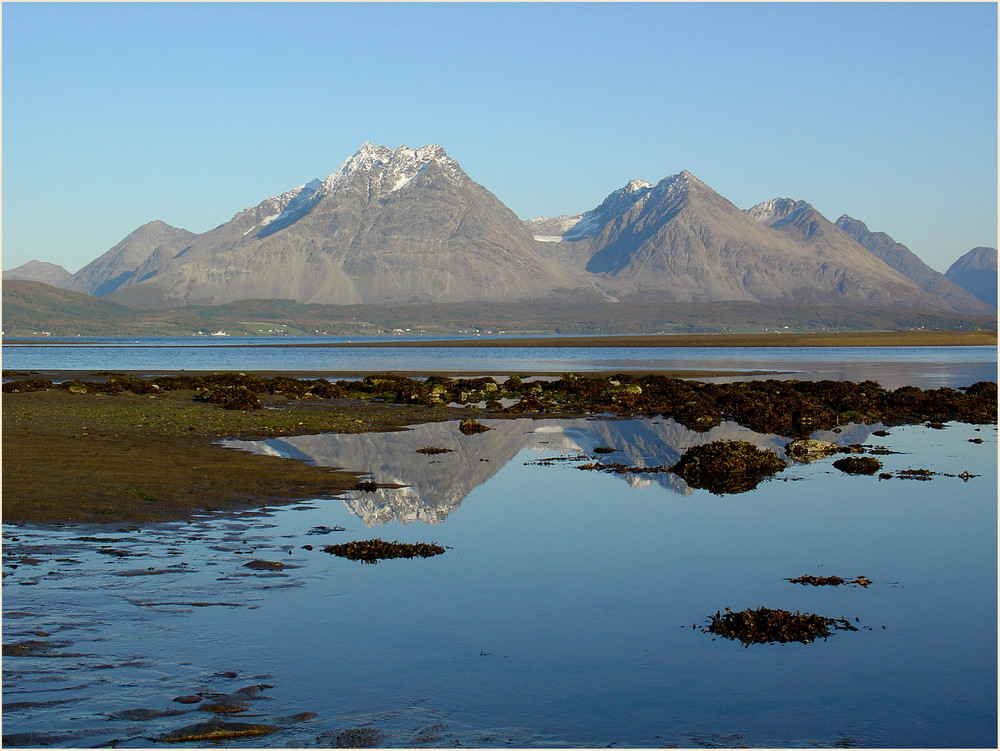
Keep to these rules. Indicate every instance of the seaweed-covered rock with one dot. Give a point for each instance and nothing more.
(470, 426)
(766, 626)
(358, 738)
(216, 730)
(233, 397)
(372, 551)
(29, 384)
(727, 466)
(323, 389)
(261, 565)
(810, 449)
(858, 465)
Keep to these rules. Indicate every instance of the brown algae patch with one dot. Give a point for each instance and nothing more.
(261, 565)
(372, 551)
(217, 730)
(727, 466)
(767, 626)
(358, 738)
(829, 581)
(858, 465)
(433, 450)
(809, 449)
(471, 426)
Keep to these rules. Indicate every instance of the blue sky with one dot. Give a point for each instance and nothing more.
(117, 114)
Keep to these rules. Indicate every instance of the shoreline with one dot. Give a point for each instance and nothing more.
(848, 339)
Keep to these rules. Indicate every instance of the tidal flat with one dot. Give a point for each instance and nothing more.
(562, 607)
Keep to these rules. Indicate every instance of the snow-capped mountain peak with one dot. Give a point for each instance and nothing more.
(394, 168)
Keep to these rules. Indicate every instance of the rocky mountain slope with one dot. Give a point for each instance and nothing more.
(901, 258)
(118, 266)
(387, 226)
(976, 273)
(679, 240)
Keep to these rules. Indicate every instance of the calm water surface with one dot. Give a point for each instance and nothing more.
(560, 614)
(927, 367)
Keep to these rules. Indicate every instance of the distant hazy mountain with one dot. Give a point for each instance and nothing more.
(901, 258)
(40, 271)
(388, 226)
(976, 273)
(117, 267)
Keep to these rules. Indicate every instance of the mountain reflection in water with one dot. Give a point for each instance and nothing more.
(432, 486)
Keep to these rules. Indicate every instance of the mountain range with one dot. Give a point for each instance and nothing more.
(410, 226)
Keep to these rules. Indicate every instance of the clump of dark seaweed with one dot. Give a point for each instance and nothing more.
(28, 384)
(915, 474)
(358, 738)
(471, 426)
(809, 449)
(216, 731)
(233, 397)
(259, 564)
(372, 551)
(858, 465)
(431, 450)
(829, 581)
(617, 468)
(604, 450)
(766, 626)
(923, 474)
(367, 486)
(727, 466)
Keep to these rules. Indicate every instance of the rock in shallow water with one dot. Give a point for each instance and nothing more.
(216, 730)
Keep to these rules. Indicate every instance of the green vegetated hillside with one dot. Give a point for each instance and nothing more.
(31, 308)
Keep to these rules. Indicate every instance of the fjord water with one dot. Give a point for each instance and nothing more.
(566, 610)
(926, 367)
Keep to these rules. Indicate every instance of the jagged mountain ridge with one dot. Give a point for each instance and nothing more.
(901, 258)
(408, 225)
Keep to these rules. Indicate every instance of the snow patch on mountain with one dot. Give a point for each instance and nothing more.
(775, 209)
(616, 204)
(295, 202)
(548, 229)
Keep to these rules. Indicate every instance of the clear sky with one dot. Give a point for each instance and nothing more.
(117, 114)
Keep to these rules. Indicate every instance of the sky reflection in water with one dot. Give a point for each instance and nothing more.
(562, 611)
